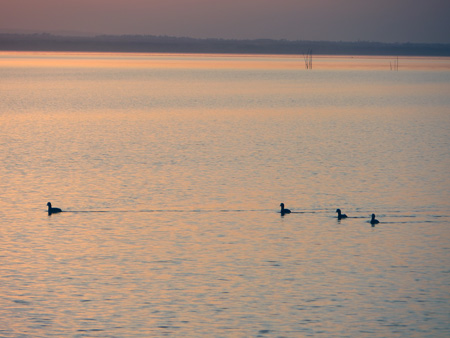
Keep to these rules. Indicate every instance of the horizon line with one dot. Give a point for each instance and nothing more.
(125, 35)
(172, 44)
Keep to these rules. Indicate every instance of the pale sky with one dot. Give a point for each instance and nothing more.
(335, 20)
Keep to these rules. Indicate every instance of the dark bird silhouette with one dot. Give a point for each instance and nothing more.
(52, 210)
(374, 221)
(340, 215)
(283, 210)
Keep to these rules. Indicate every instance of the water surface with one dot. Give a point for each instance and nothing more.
(171, 168)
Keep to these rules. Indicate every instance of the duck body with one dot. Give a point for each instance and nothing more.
(52, 210)
(374, 221)
(340, 214)
(283, 210)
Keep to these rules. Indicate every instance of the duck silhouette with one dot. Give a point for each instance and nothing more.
(283, 210)
(374, 221)
(52, 210)
(340, 215)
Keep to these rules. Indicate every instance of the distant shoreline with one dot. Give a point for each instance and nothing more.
(166, 44)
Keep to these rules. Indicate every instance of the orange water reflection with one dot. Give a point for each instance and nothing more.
(189, 171)
(216, 61)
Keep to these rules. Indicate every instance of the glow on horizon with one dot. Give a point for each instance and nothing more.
(334, 20)
(213, 61)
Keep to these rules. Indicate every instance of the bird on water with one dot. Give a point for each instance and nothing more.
(283, 210)
(52, 210)
(340, 215)
(374, 221)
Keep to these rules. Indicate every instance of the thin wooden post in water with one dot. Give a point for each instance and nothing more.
(308, 59)
(395, 65)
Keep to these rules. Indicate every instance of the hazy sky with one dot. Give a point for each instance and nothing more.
(345, 20)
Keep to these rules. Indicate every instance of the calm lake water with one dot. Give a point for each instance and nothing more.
(171, 169)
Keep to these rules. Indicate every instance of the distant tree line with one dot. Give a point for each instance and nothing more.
(168, 44)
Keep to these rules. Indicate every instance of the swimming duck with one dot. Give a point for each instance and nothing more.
(340, 216)
(283, 210)
(52, 210)
(374, 221)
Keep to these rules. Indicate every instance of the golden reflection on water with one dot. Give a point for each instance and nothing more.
(217, 61)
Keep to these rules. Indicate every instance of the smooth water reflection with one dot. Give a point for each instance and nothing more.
(171, 169)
